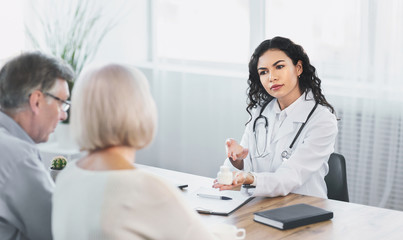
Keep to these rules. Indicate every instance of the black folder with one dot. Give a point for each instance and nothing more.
(292, 216)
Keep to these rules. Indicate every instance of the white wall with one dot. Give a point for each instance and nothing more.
(196, 115)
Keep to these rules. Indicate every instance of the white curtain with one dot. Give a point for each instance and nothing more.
(370, 106)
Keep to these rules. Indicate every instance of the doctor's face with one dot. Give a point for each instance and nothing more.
(279, 76)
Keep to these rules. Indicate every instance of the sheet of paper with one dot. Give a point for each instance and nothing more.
(217, 206)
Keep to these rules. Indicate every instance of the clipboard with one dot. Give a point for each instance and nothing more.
(217, 206)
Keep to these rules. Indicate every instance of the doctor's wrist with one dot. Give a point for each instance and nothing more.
(250, 179)
(238, 164)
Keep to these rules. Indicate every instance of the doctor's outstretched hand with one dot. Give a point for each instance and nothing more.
(238, 179)
(236, 153)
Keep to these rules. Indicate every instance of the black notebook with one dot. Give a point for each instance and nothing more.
(292, 216)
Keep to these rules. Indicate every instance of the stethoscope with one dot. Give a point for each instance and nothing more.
(286, 154)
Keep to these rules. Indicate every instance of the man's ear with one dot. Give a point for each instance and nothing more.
(35, 101)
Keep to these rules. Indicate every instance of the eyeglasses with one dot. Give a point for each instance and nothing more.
(65, 104)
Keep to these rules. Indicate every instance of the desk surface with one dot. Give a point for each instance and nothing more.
(350, 221)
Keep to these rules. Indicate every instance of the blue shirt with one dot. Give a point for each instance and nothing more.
(26, 186)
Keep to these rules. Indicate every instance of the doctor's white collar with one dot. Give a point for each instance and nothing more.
(289, 109)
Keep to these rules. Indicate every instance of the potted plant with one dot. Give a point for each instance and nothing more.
(70, 30)
(58, 163)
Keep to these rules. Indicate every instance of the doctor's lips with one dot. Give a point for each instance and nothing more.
(276, 87)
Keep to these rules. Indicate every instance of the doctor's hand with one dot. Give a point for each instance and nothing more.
(240, 178)
(236, 153)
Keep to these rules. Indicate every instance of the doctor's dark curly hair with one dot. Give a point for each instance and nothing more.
(258, 96)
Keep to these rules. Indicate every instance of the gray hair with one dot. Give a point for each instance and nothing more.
(113, 106)
(29, 72)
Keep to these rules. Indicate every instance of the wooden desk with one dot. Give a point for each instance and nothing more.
(350, 221)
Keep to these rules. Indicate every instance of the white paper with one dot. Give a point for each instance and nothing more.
(216, 206)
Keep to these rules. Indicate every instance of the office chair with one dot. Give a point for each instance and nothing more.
(336, 179)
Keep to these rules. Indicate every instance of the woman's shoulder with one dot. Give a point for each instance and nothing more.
(326, 112)
(138, 174)
(143, 190)
(323, 117)
(141, 180)
(321, 110)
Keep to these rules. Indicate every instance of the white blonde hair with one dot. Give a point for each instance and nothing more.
(112, 106)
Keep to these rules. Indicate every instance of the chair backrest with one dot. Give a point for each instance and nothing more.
(336, 179)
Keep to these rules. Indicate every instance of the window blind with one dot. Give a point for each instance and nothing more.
(371, 139)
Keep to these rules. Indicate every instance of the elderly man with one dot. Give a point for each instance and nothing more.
(33, 99)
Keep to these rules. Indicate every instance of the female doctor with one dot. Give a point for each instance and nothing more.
(292, 130)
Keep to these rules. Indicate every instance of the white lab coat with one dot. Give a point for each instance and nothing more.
(307, 166)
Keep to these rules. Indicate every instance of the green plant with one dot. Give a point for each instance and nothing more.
(58, 163)
(71, 30)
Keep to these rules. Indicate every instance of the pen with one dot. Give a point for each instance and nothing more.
(214, 196)
(247, 186)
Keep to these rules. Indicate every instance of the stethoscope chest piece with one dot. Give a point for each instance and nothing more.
(285, 155)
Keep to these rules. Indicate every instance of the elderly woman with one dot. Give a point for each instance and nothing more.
(103, 195)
